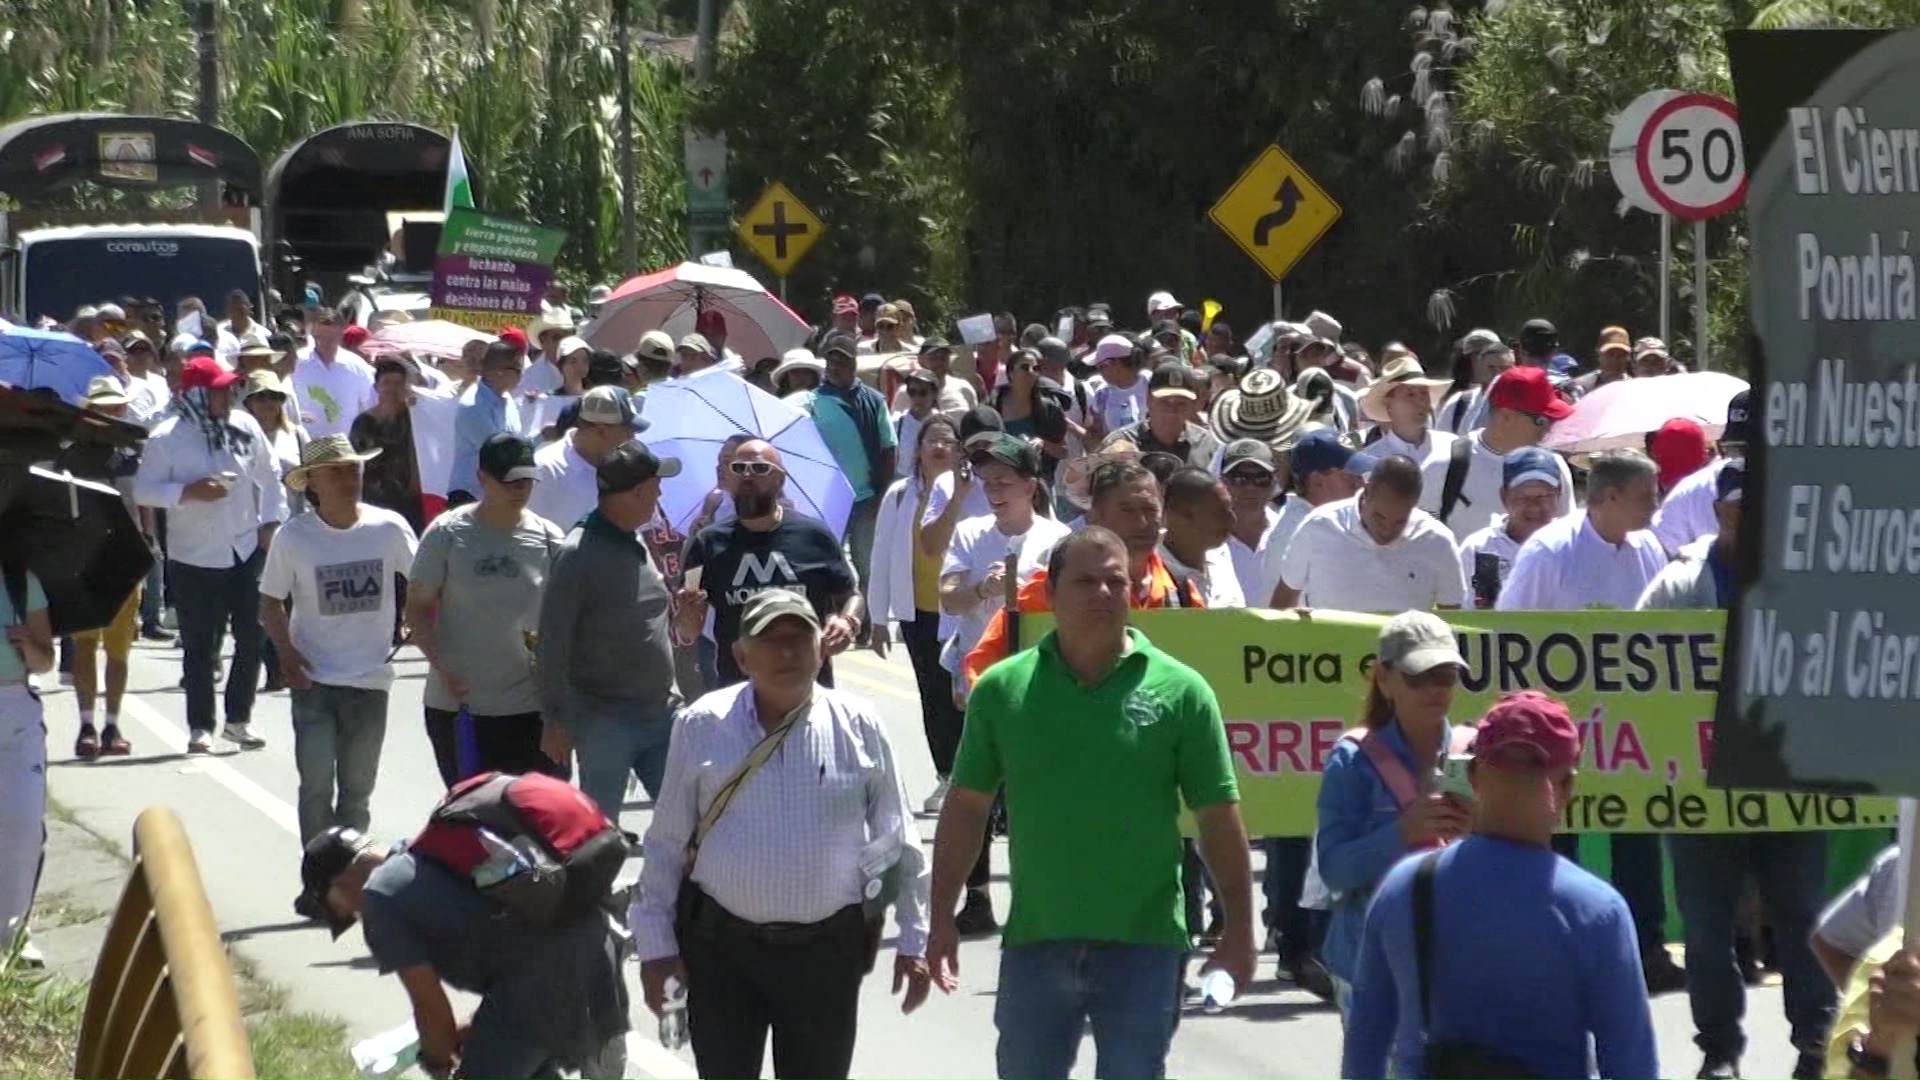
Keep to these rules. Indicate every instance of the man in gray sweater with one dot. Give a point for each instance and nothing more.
(605, 660)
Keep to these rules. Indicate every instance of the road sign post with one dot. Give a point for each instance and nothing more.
(780, 230)
(1276, 213)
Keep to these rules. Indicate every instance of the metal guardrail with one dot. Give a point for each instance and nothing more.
(163, 1002)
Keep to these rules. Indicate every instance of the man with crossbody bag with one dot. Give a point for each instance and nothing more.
(781, 832)
(1492, 956)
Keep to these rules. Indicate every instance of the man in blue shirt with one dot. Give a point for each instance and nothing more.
(854, 423)
(1528, 958)
(486, 409)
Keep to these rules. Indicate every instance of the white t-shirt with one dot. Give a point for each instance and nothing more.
(540, 377)
(330, 395)
(956, 396)
(1293, 513)
(1219, 586)
(906, 433)
(1432, 454)
(1567, 566)
(565, 485)
(1492, 540)
(340, 582)
(1120, 406)
(1335, 564)
(1463, 412)
(1480, 494)
(1686, 514)
(1249, 563)
(977, 547)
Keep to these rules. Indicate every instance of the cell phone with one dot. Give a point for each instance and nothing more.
(693, 578)
(1453, 777)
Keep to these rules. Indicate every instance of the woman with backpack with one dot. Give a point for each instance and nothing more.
(1379, 794)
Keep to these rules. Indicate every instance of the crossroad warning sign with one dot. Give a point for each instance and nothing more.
(779, 228)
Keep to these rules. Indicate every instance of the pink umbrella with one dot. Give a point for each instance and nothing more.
(1620, 414)
(432, 337)
(758, 324)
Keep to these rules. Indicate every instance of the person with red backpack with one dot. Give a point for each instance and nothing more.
(1379, 791)
(504, 894)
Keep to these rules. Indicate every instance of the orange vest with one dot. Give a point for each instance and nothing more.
(1032, 599)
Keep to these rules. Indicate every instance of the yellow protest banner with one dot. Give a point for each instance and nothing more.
(1640, 685)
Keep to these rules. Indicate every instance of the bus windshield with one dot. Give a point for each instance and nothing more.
(67, 273)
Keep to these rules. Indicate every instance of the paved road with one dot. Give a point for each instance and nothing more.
(239, 810)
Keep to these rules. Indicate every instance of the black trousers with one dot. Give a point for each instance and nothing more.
(938, 714)
(209, 602)
(508, 744)
(802, 982)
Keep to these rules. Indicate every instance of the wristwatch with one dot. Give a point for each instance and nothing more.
(1866, 1064)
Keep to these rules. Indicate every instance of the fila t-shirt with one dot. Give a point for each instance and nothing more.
(340, 584)
(799, 554)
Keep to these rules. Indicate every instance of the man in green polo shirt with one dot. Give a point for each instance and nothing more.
(1098, 738)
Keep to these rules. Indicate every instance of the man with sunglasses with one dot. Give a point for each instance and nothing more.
(766, 546)
(332, 385)
(1522, 406)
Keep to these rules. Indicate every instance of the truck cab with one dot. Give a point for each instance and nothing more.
(103, 214)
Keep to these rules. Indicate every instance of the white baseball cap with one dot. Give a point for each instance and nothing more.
(1161, 301)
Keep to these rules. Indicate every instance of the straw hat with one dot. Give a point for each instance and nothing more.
(1261, 407)
(266, 381)
(325, 450)
(104, 390)
(1401, 371)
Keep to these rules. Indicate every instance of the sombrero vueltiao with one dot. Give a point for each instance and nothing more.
(1260, 407)
(326, 450)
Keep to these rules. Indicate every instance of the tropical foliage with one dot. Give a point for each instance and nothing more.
(532, 86)
(1018, 154)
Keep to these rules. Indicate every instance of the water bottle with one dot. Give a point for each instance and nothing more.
(1216, 990)
(673, 1015)
(503, 860)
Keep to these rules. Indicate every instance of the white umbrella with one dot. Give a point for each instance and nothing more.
(1621, 414)
(758, 324)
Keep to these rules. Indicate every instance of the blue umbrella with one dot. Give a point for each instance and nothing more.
(690, 418)
(51, 359)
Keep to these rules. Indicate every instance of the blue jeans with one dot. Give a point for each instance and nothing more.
(337, 735)
(208, 602)
(1710, 872)
(1051, 990)
(611, 740)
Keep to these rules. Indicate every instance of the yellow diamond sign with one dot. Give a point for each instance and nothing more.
(779, 228)
(1275, 212)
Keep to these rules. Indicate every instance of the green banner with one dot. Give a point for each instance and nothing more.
(1639, 684)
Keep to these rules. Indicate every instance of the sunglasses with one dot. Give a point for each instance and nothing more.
(752, 468)
(1248, 478)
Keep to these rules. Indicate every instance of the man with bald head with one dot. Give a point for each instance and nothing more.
(766, 546)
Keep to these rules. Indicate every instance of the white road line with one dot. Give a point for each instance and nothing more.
(174, 738)
(655, 1060)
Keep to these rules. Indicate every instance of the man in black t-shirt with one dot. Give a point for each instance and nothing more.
(766, 547)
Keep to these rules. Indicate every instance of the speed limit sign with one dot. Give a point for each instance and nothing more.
(1688, 156)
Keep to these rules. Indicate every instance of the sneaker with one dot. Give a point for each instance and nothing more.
(1312, 976)
(242, 736)
(1719, 1067)
(309, 909)
(155, 633)
(200, 742)
(31, 958)
(87, 746)
(976, 915)
(938, 799)
(114, 744)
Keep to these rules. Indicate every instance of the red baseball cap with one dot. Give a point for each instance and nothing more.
(354, 336)
(514, 336)
(205, 371)
(1526, 389)
(845, 304)
(1528, 729)
(1679, 448)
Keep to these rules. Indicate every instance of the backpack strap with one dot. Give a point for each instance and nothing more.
(749, 765)
(1423, 936)
(1392, 771)
(1459, 457)
(1374, 436)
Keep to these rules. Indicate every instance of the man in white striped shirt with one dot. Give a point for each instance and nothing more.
(769, 908)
